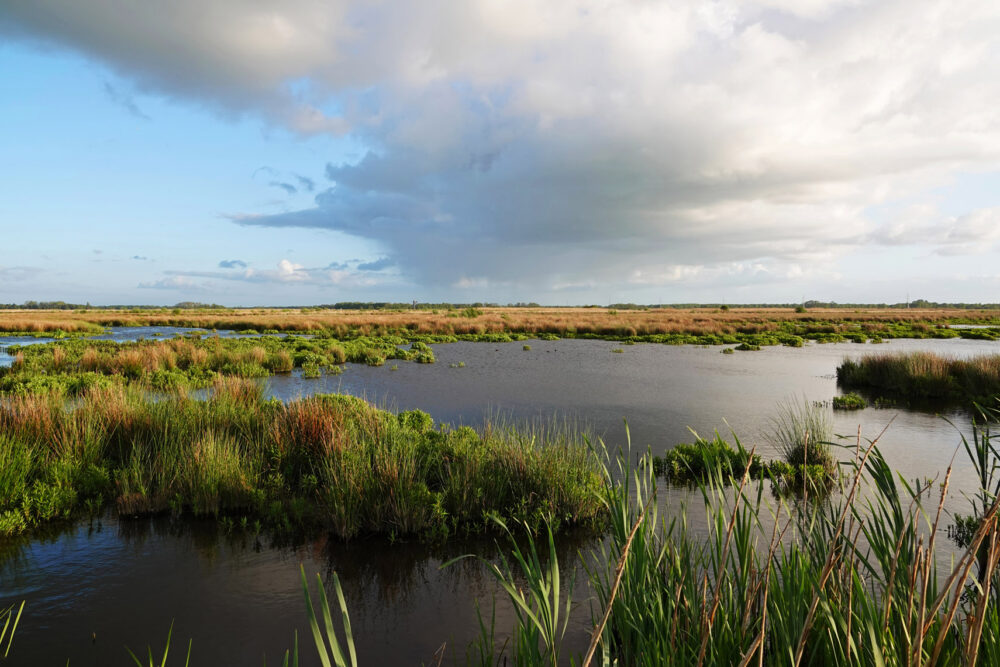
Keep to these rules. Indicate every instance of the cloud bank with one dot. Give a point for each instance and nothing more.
(561, 145)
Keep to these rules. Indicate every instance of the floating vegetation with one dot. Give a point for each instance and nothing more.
(849, 401)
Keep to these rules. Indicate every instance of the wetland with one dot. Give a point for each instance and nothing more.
(123, 561)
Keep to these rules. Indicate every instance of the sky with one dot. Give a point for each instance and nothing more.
(314, 151)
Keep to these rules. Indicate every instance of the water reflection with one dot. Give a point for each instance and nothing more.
(239, 596)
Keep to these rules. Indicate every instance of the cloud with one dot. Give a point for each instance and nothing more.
(287, 187)
(286, 272)
(232, 264)
(13, 273)
(377, 265)
(123, 100)
(174, 282)
(924, 225)
(556, 143)
(305, 183)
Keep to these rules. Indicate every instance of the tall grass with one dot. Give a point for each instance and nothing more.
(853, 581)
(538, 604)
(924, 376)
(324, 462)
(801, 432)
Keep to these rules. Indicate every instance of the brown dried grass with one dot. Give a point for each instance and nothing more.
(599, 321)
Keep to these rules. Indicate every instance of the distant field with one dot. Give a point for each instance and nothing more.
(559, 321)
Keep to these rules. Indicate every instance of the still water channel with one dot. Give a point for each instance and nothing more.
(99, 585)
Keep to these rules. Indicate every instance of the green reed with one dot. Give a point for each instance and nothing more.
(924, 376)
(324, 462)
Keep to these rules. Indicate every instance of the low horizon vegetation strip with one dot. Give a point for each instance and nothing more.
(753, 326)
(327, 462)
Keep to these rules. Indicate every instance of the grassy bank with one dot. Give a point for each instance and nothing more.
(323, 463)
(924, 376)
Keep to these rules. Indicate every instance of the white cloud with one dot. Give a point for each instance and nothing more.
(548, 143)
(976, 232)
(286, 272)
(174, 282)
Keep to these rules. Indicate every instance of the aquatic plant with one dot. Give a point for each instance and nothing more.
(849, 401)
(691, 462)
(10, 621)
(166, 651)
(801, 432)
(924, 376)
(853, 581)
(326, 461)
(330, 651)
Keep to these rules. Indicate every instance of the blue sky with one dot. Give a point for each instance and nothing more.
(560, 152)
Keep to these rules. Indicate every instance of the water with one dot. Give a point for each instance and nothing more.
(661, 390)
(239, 598)
(106, 584)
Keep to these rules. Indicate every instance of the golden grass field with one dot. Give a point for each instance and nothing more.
(492, 320)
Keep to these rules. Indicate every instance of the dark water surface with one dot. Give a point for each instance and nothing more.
(239, 597)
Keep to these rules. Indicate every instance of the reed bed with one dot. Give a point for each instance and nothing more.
(853, 580)
(924, 376)
(679, 324)
(325, 462)
(850, 581)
